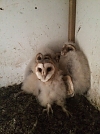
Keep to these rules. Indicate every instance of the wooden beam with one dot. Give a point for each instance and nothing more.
(72, 19)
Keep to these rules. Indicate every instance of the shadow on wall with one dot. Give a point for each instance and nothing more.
(56, 46)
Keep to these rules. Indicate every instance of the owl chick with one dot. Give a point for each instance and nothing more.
(74, 63)
(44, 80)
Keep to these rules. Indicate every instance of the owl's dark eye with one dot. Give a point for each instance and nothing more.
(39, 58)
(47, 57)
(49, 69)
(69, 49)
(40, 70)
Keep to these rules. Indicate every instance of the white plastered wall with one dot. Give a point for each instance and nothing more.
(88, 37)
(25, 25)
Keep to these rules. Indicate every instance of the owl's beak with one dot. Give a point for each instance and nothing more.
(44, 76)
(62, 53)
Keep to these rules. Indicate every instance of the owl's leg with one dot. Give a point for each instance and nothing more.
(48, 109)
(62, 105)
(69, 85)
(17, 94)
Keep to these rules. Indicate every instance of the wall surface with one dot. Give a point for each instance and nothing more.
(25, 25)
(88, 37)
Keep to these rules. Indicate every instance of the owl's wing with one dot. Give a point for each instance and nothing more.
(30, 84)
(30, 67)
(69, 86)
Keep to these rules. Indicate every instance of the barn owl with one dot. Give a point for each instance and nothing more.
(44, 80)
(74, 63)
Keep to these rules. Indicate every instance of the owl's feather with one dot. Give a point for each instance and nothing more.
(74, 63)
(44, 80)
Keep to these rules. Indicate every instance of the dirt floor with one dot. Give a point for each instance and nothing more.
(23, 115)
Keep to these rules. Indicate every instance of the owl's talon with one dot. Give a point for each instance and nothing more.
(66, 112)
(48, 109)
